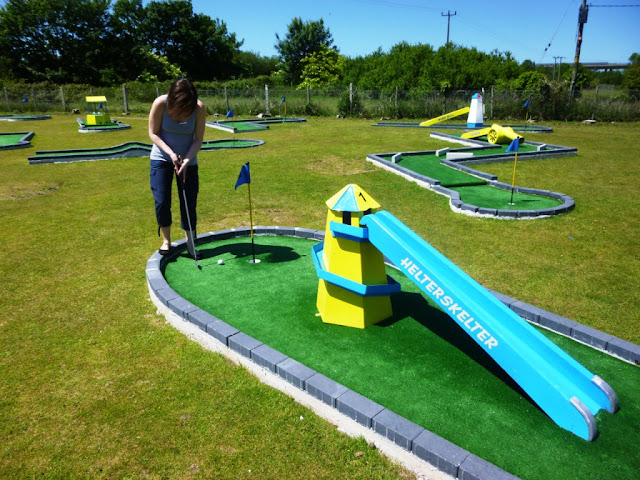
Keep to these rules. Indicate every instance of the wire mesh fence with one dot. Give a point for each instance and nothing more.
(387, 103)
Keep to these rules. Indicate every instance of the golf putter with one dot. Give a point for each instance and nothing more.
(186, 207)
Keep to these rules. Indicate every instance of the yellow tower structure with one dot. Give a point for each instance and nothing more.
(353, 287)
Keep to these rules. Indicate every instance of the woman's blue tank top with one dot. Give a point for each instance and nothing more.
(179, 136)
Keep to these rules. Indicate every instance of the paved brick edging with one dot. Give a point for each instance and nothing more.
(426, 445)
(457, 205)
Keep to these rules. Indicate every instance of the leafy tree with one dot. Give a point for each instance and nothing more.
(250, 64)
(56, 40)
(200, 45)
(302, 39)
(322, 67)
(631, 79)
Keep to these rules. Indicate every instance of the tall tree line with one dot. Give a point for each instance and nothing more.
(105, 42)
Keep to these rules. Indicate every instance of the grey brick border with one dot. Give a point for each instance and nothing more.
(426, 445)
(457, 205)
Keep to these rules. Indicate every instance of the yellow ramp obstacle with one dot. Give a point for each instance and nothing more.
(446, 116)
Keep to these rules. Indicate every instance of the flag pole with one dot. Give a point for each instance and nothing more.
(253, 246)
(513, 181)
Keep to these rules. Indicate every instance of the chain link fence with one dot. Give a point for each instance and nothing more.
(390, 103)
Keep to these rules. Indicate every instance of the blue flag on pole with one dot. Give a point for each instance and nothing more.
(513, 146)
(527, 103)
(284, 99)
(230, 114)
(244, 177)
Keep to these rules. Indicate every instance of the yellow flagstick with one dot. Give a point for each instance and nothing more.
(513, 181)
(253, 247)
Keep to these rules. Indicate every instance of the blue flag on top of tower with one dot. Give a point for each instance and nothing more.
(230, 114)
(244, 177)
(513, 146)
(527, 103)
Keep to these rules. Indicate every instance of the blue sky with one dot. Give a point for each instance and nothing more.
(524, 28)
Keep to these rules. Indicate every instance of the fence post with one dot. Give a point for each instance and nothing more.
(33, 95)
(308, 95)
(491, 111)
(64, 106)
(595, 104)
(157, 91)
(226, 98)
(396, 100)
(266, 99)
(351, 99)
(125, 99)
(6, 97)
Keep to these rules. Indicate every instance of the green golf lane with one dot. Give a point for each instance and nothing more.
(7, 139)
(420, 364)
(474, 190)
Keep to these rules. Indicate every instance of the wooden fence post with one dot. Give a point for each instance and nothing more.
(226, 98)
(64, 106)
(351, 99)
(266, 99)
(491, 109)
(308, 95)
(125, 99)
(6, 98)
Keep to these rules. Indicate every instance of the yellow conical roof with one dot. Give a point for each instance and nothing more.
(352, 198)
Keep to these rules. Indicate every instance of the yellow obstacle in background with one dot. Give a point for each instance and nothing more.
(446, 116)
(97, 115)
(495, 134)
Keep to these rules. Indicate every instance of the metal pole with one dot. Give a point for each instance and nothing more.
(266, 99)
(64, 107)
(226, 98)
(582, 19)
(6, 97)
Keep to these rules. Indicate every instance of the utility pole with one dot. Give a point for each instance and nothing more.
(559, 67)
(448, 15)
(582, 19)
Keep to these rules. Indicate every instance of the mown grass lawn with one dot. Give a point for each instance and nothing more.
(95, 384)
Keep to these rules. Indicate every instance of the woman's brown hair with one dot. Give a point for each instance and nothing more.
(182, 97)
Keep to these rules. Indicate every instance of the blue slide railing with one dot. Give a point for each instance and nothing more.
(560, 386)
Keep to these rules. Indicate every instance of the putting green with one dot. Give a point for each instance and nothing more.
(129, 149)
(10, 139)
(498, 198)
(420, 364)
(474, 190)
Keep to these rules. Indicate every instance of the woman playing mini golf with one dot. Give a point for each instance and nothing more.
(176, 128)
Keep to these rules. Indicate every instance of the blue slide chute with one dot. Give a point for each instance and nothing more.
(560, 386)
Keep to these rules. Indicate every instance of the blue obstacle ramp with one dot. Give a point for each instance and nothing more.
(560, 386)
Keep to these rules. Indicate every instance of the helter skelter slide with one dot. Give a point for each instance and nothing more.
(566, 391)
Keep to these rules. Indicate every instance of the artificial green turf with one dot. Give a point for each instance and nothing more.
(491, 197)
(430, 166)
(420, 364)
(11, 139)
(242, 126)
